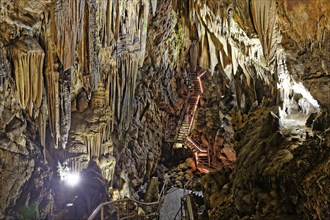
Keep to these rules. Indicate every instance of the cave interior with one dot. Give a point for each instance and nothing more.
(144, 105)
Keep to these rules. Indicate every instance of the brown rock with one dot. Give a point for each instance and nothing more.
(152, 190)
(82, 102)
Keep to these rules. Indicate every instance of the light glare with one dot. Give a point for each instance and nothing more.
(72, 179)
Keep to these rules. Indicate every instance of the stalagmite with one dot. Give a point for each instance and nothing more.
(98, 97)
(288, 87)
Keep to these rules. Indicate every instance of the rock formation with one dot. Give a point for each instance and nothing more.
(106, 81)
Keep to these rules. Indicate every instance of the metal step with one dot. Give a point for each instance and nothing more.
(205, 160)
(201, 154)
(204, 168)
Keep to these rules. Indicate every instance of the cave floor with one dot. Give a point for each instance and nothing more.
(295, 129)
(172, 203)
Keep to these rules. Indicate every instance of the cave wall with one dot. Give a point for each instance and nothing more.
(85, 80)
(276, 175)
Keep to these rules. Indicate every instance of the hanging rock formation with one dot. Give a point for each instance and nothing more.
(84, 80)
(28, 59)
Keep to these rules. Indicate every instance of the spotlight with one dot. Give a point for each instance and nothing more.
(72, 179)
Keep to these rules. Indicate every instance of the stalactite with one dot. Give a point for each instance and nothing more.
(88, 49)
(88, 145)
(143, 27)
(263, 14)
(102, 19)
(205, 54)
(52, 79)
(125, 88)
(74, 165)
(28, 59)
(52, 76)
(3, 68)
(43, 116)
(130, 31)
(65, 106)
(68, 16)
(93, 145)
(288, 87)
(213, 53)
(100, 140)
(110, 93)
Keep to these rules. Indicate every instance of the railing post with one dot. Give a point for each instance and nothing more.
(118, 208)
(190, 208)
(181, 209)
(127, 208)
(102, 213)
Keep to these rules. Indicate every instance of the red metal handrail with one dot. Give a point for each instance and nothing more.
(193, 103)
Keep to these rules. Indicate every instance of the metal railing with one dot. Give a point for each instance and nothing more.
(191, 92)
(129, 208)
(182, 116)
(183, 133)
(186, 210)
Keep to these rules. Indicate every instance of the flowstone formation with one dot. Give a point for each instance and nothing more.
(105, 83)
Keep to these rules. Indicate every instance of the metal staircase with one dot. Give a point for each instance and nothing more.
(202, 155)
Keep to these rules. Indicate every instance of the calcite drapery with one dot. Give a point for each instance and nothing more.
(120, 28)
(265, 23)
(28, 59)
(128, 35)
(73, 22)
(125, 89)
(68, 17)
